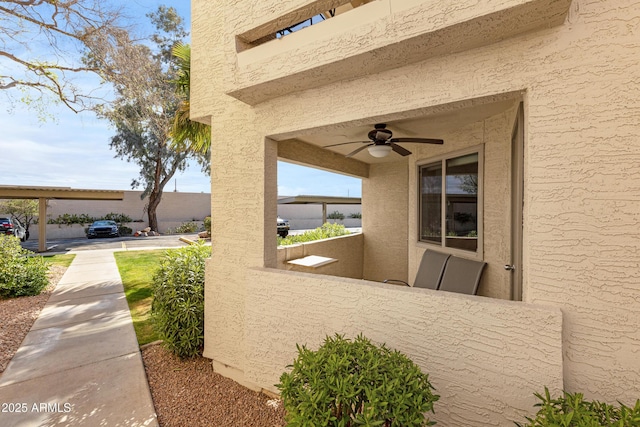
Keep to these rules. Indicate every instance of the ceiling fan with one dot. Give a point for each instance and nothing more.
(381, 143)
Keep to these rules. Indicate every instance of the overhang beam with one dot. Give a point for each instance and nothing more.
(302, 153)
(67, 193)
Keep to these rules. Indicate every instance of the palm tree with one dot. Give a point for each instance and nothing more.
(187, 134)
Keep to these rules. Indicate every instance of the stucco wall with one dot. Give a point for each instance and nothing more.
(174, 209)
(363, 41)
(384, 221)
(580, 83)
(484, 372)
(494, 136)
(347, 250)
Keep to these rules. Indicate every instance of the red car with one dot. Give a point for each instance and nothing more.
(11, 226)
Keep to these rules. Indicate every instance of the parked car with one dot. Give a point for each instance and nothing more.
(283, 227)
(103, 228)
(10, 226)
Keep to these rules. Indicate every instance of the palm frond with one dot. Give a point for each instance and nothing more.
(185, 133)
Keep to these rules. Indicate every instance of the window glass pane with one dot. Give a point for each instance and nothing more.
(431, 203)
(462, 202)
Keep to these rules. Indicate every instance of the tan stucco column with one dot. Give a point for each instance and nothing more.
(42, 224)
(270, 201)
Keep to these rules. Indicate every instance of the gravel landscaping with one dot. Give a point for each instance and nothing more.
(189, 393)
(18, 314)
(185, 392)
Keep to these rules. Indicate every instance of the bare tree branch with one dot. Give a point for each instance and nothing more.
(43, 42)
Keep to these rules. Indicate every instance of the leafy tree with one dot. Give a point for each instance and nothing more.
(62, 28)
(145, 104)
(25, 210)
(468, 183)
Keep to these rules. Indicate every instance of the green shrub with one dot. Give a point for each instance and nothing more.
(335, 215)
(118, 218)
(177, 310)
(349, 383)
(68, 219)
(187, 227)
(207, 224)
(571, 410)
(357, 215)
(326, 231)
(20, 274)
(124, 230)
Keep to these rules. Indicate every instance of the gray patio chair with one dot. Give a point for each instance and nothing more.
(430, 271)
(462, 275)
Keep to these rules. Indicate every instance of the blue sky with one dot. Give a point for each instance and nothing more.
(72, 150)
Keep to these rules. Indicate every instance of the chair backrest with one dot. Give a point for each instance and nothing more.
(431, 269)
(462, 275)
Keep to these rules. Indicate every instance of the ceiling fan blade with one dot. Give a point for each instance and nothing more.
(345, 143)
(354, 152)
(400, 150)
(419, 140)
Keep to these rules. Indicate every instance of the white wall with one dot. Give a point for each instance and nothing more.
(304, 217)
(174, 209)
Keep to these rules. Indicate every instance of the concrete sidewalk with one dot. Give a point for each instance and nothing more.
(80, 364)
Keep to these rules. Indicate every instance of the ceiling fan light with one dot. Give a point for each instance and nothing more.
(379, 150)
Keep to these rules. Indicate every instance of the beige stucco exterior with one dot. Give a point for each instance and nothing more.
(474, 362)
(456, 72)
(344, 253)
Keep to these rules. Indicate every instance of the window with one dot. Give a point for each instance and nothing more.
(450, 201)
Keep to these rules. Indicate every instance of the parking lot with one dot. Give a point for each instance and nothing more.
(129, 242)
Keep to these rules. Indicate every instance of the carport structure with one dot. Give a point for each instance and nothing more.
(42, 194)
(320, 200)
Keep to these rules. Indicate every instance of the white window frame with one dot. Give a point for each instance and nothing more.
(479, 253)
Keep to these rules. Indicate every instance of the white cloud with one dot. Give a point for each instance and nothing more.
(71, 152)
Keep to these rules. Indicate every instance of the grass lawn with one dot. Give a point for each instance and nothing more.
(136, 270)
(61, 260)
